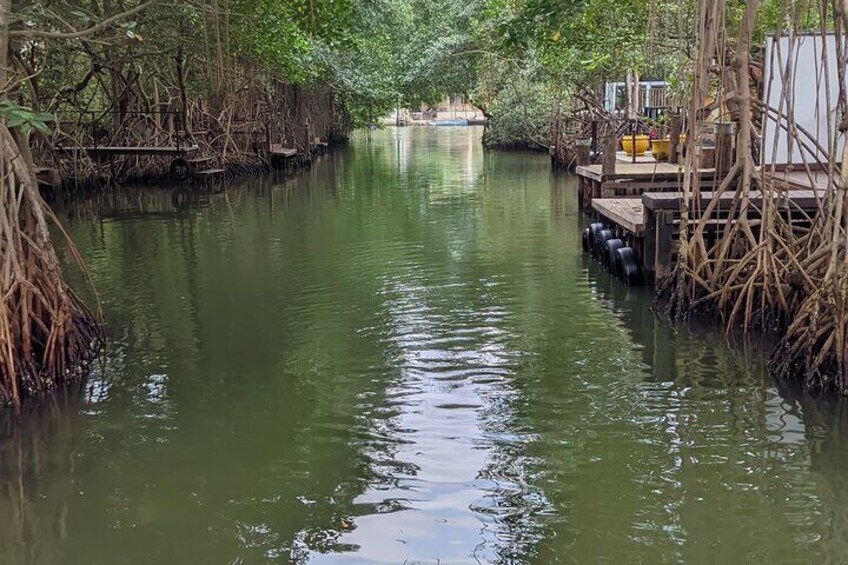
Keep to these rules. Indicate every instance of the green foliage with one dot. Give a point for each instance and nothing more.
(379, 54)
(269, 32)
(577, 39)
(26, 119)
(439, 54)
(354, 45)
(520, 112)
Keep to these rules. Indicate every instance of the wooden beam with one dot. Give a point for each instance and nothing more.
(134, 150)
(803, 199)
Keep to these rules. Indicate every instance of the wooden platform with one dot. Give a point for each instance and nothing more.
(277, 150)
(662, 220)
(642, 170)
(650, 225)
(320, 147)
(631, 180)
(627, 213)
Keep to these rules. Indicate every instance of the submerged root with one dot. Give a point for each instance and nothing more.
(813, 350)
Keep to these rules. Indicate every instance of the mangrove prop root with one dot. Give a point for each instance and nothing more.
(765, 265)
(47, 335)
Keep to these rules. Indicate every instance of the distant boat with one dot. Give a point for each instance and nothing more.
(457, 122)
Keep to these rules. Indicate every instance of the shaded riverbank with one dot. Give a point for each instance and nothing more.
(404, 354)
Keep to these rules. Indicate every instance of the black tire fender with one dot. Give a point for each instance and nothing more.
(180, 169)
(609, 255)
(628, 268)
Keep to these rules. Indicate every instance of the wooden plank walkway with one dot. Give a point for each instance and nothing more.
(140, 150)
(627, 213)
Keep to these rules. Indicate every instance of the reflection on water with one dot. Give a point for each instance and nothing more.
(402, 356)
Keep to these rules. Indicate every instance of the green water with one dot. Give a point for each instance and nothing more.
(402, 357)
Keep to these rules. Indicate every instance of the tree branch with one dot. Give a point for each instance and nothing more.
(34, 33)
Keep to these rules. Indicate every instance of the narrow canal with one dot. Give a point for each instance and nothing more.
(403, 357)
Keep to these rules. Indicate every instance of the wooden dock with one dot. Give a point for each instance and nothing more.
(319, 146)
(185, 162)
(277, 150)
(662, 221)
(631, 180)
(650, 225)
(639, 204)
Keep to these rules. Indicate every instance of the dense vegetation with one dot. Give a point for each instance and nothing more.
(518, 61)
(372, 55)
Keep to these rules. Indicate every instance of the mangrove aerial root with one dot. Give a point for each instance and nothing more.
(47, 335)
(814, 347)
(754, 261)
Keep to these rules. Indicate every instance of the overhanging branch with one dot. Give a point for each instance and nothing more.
(34, 33)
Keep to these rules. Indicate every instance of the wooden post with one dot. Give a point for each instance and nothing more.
(581, 150)
(675, 128)
(607, 166)
(664, 243)
(649, 247)
(594, 138)
(723, 148)
(581, 186)
(633, 141)
(633, 105)
(608, 163)
(707, 158)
